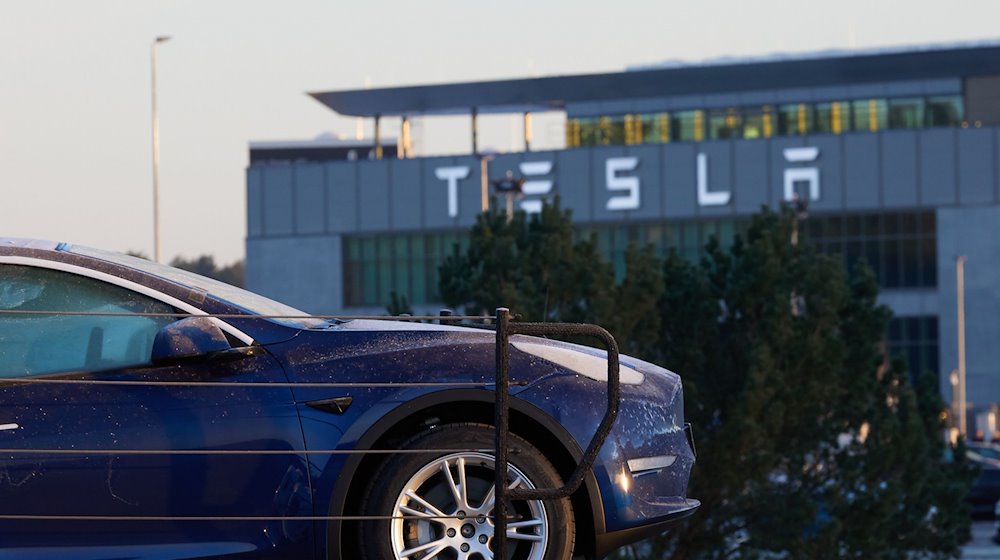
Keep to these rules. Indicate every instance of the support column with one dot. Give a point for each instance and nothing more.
(378, 137)
(475, 131)
(403, 150)
(484, 183)
(527, 132)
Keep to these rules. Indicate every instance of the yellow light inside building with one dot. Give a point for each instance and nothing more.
(802, 118)
(699, 126)
(664, 124)
(835, 114)
(872, 115)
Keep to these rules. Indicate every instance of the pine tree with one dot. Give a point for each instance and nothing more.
(809, 444)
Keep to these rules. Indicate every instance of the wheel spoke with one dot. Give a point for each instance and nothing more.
(524, 524)
(515, 483)
(511, 534)
(490, 498)
(433, 548)
(425, 504)
(460, 464)
(406, 510)
(457, 489)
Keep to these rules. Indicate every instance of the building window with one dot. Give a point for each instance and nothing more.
(901, 247)
(795, 119)
(588, 131)
(689, 126)
(573, 133)
(833, 117)
(652, 128)
(610, 131)
(916, 340)
(724, 124)
(758, 122)
(633, 129)
(870, 115)
(906, 113)
(945, 111)
(377, 265)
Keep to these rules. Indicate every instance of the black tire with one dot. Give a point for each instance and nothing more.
(546, 529)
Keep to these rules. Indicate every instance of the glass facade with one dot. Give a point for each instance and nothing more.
(916, 340)
(901, 247)
(377, 265)
(766, 121)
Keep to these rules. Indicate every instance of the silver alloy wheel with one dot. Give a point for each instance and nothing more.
(453, 498)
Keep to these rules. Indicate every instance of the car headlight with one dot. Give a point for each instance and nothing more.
(586, 365)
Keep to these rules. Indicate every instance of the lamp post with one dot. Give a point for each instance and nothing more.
(510, 187)
(156, 151)
(963, 404)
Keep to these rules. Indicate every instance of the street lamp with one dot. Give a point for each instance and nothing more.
(156, 152)
(963, 404)
(510, 187)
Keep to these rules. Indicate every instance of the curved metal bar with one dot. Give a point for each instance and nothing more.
(505, 328)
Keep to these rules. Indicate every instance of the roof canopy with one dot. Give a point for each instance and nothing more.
(553, 93)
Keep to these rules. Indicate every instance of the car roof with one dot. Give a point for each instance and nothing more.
(25, 243)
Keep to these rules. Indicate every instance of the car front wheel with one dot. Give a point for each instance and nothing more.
(441, 502)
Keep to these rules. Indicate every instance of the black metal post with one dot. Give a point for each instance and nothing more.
(501, 414)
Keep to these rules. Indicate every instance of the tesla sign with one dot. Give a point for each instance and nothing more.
(624, 186)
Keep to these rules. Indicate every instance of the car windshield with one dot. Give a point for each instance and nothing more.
(249, 301)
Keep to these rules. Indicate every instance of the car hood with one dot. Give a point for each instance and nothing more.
(385, 350)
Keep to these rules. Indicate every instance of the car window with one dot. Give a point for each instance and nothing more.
(32, 344)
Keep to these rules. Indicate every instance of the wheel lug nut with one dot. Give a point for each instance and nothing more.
(451, 532)
(482, 539)
(464, 547)
(481, 519)
(460, 515)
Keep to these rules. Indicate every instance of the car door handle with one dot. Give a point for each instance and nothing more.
(9, 426)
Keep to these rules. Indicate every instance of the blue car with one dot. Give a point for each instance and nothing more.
(164, 415)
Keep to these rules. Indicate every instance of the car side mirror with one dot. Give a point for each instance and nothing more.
(189, 338)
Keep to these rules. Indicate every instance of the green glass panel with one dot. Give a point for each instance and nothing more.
(367, 248)
(758, 122)
(945, 111)
(419, 294)
(725, 123)
(688, 126)
(833, 117)
(906, 112)
(726, 233)
(870, 115)
(795, 119)
(588, 132)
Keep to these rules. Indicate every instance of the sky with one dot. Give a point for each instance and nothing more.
(75, 115)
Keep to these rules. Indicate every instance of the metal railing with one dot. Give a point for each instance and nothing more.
(505, 327)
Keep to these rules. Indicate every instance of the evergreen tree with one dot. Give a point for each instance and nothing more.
(809, 444)
(536, 266)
